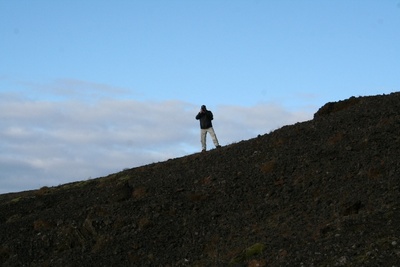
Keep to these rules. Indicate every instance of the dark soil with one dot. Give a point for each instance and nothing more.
(324, 192)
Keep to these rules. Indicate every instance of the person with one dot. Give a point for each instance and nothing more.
(205, 116)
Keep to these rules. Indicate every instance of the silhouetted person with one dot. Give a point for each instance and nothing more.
(205, 116)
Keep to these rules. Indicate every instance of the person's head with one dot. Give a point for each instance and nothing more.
(203, 108)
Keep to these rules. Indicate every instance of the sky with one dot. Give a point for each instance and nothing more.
(89, 88)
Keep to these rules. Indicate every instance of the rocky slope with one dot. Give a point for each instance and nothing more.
(319, 193)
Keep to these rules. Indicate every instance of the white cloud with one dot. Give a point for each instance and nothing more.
(78, 90)
(242, 123)
(47, 143)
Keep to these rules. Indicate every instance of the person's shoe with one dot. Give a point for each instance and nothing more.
(203, 150)
(218, 146)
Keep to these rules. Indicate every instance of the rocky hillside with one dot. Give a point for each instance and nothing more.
(324, 192)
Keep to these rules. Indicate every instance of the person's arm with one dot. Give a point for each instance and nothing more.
(210, 115)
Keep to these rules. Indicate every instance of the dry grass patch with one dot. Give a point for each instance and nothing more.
(42, 191)
(144, 222)
(195, 197)
(101, 243)
(139, 192)
(268, 166)
(334, 139)
(248, 253)
(42, 225)
(257, 263)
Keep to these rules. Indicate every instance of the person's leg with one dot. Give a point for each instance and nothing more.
(203, 133)
(213, 136)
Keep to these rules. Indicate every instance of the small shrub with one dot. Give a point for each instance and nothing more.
(41, 224)
(43, 191)
(124, 178)
(194, 197)
(4, 254)
(257, 263)
(101, 243)
(249, 252)
(139, 192)
(15, 200)
(268, 167)
(335, 138)
(144, 222)
(206, 180)
(374, 173)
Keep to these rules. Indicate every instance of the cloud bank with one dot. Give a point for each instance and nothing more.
(63, 139)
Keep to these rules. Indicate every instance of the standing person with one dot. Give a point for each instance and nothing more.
(205, 116)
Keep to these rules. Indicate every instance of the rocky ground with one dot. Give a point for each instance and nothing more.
(319, 193)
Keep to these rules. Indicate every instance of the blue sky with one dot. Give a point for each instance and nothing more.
(88, 88)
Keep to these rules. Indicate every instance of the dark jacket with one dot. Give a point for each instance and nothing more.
(205, 119)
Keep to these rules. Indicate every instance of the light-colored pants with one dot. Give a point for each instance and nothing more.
(204, 135)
